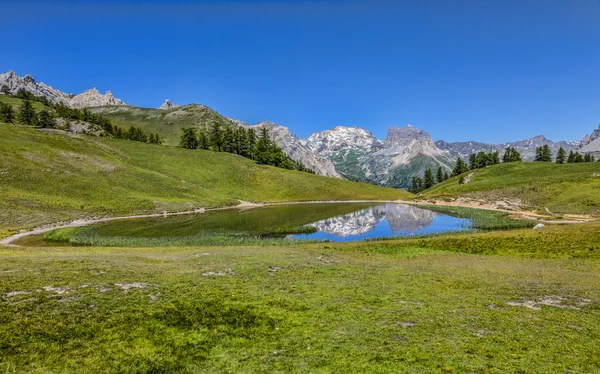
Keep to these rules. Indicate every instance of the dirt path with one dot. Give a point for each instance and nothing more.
(245, 205)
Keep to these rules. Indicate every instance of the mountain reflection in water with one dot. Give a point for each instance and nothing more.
(385, 220)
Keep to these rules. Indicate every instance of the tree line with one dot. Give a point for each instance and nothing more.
(482, 159)
(26, 115)
(241, 141)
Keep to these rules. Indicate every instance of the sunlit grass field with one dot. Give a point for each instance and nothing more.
(567, 188)
(513, 301)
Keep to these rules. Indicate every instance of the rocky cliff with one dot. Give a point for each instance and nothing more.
(89, 98)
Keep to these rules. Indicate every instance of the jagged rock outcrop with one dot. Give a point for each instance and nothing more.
(293, 147)
(93, 98)
(89, 98)
(591, 143)
(168, 105)
(14, 83)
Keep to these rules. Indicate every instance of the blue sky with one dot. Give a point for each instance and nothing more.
(490, 70)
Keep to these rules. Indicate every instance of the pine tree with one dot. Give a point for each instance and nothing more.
(228, 140)
(428, 181)
(571, 157)
(26, 113)
(440, 175)
(495, 158)
(511, 155)
(461, 167)
(472, 161)
(263, 154)
(6, 113)
(561, 156)
(5, 90)
(461, 179)
(216, 137)
(203, 142)
(416, 184)
(251, 140)
(543, 154)
(446, 176)
(189, 139)
(242, 139)
(588, 158)
(45, 119)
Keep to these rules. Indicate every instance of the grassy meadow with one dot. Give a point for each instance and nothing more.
(567, 188)
(436, 305)
(488, 301)
(49, 176)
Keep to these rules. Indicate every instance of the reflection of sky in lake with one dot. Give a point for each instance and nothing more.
(385, 221)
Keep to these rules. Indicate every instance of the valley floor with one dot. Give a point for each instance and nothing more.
(514, 301)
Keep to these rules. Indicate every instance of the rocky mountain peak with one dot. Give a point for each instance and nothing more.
(168, 105)
(341, 137)
(89, 98)
(402, 136)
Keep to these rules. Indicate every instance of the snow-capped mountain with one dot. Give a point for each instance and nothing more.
(340, 138)
(359, 155)
(89, 98)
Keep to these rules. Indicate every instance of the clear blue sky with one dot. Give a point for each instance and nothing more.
(489, 70)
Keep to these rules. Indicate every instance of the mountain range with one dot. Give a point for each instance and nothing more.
(343, 152)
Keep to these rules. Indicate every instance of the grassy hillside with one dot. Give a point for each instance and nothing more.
(15, 102)
(167, 123)
(568, 188)
(48, 176)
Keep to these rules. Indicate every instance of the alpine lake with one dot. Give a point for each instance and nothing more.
(334, 222)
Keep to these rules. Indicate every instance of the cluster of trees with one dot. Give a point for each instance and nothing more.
(419, 184)
(240, 141)
(543, 154)
(482, 159)
(511, 155)
(45, 118)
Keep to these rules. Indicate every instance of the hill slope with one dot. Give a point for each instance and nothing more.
(568, 188)
(48, 176)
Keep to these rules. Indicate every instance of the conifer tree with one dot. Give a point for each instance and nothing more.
(216, 137)
(571, 157)
(251, 140)
(511, 155)
(428, 181)
(5, 90)
(416, 184)
(543, 154)
(461, 167)
(6, 113)
(45, 119)
(561, 156)
(26, 113)
(440, 175)
(446, 176)
(189, 139)
(203, 142)
(228, 140)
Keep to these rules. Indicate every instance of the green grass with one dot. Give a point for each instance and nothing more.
(16, 103)
(50, 176)
(410, 306)
(483, 219)
(568, 188)
(167, 123)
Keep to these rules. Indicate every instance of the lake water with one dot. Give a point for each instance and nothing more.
(334, 222)
(385, 220)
